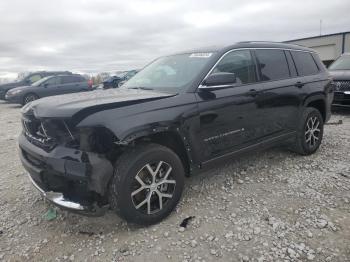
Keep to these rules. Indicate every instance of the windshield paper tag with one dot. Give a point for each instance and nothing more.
(201, 55)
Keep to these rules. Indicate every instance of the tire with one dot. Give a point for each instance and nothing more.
(29, 98)
(308, 141)
(130, 168)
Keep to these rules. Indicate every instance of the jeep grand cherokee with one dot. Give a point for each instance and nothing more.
(130, 148)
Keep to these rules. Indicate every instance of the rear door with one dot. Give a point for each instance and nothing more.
(279, 100)
(50, 87)
(72, 84)
(309, 76)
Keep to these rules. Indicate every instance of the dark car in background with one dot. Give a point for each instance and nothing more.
(340, 71)
(118, 79)
(28, 80)
(131, 147)
(48, 86)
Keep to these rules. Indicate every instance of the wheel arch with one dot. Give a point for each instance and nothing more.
(171, 139)
(319, 102)
(29, 93)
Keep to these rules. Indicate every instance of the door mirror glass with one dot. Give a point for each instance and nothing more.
(220, 79)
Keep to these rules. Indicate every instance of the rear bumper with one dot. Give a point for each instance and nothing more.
(64, 177)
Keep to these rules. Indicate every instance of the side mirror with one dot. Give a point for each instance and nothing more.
(219, 80)
(45, 85)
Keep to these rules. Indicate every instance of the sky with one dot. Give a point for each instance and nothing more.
(90, 36)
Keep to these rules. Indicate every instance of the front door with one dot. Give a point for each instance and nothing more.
(229, 117)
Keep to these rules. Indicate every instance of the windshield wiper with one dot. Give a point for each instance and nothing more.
(142, 88)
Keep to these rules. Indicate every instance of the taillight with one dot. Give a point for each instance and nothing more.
(90, 83)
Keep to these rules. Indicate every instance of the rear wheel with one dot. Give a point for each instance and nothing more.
(29, 98)
(310, 132)
(147, 184)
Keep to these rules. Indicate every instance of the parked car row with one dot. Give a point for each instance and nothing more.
(43, 84)
(28, 80)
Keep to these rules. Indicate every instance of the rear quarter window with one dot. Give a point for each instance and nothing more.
(305, 63)
(71, 79)
(272, 64)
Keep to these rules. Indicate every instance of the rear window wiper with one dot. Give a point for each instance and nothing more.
(142, 88)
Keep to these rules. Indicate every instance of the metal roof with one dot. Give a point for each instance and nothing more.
(319, 36)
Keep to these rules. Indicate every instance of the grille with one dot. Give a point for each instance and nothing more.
(35, 132)
(342, 85)
(47, 133)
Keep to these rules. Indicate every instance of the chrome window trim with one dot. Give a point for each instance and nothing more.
(245, 48)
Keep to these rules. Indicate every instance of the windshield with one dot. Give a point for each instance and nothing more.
(170, 73)
(342, 63)
(38, 83)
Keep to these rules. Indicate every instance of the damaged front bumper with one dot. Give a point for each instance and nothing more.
(69, 178)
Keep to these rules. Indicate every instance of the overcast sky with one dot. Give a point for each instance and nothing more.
(108, 35)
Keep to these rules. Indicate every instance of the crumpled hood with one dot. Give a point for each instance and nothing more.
(85, 103)
(340, 74)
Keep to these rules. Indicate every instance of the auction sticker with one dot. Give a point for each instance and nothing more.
(201, 55)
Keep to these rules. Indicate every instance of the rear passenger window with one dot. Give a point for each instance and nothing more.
(305, 63)
(272, 64)
(71, 79)
(241, 64)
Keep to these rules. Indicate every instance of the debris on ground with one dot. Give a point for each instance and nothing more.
(185, 222)
(86, 233)
(50, 214)
(339, 122)
(266, 206)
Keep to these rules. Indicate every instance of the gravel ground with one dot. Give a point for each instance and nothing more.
(269, 206)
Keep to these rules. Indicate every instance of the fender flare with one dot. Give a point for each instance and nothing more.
(314, 97)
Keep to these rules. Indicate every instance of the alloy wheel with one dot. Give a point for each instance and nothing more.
(153, 187)
(312, 131)
(29, 99)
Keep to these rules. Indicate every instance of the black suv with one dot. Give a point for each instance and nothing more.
(28, 80)
(130, 148)
(49, 86)
(340, 72)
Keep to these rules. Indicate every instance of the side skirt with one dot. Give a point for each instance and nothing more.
(271, 142)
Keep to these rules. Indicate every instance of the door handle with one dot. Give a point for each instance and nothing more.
(299, 84)
(252, 92)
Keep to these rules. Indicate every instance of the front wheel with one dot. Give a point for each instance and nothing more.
(29, 98)
(310, 132)
(147, 184)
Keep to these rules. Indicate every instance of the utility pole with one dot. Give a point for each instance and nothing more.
(320, 27)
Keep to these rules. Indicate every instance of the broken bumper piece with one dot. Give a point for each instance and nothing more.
(65, 176)
(58, 199)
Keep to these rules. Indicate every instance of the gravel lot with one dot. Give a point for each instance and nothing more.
(269, 206)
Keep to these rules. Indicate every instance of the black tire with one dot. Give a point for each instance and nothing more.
(302, 145)
(132, 163)
(29, 98)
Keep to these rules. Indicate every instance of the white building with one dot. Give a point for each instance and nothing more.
(329, 47)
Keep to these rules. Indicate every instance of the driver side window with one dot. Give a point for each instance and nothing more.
(240, 63)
